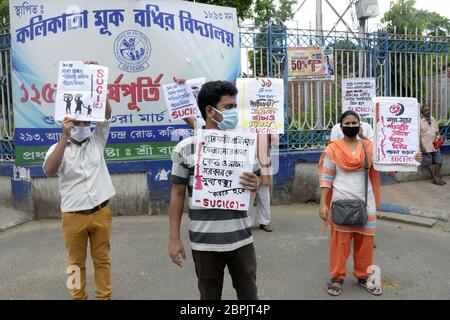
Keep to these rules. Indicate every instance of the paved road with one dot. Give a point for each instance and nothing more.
(292, 261)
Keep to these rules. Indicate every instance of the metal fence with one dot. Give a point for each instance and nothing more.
(6, 110)
(404, 65)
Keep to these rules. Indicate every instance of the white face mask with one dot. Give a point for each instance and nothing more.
(80, 133)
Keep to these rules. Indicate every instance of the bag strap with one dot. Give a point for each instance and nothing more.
(366, 172)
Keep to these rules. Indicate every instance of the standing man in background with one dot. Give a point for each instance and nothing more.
(429, 138)
(261, 205)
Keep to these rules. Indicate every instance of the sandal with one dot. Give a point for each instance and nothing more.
(266, 227)
(437, 182)
(335, 287)
(370, 287)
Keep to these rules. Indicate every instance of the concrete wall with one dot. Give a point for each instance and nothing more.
(5, 192)
(131, 196)
(306, 182)
(46, 198)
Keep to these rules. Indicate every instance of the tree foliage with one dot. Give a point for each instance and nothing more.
(403, 15)
(267, 12)
(273, 12)
(4, 13)
(404, 18)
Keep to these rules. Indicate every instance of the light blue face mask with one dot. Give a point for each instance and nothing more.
(229, 119)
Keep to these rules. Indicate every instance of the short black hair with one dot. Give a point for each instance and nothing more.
(349, 113)
(211, 93)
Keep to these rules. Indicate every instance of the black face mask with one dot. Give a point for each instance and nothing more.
(350, 131)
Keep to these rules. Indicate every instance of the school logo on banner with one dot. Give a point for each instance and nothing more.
(133, 49)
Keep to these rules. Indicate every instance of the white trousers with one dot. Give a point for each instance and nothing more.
(262, 208)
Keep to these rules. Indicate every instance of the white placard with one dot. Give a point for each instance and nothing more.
(221, 157)
(261, 105)
(180, 100)
(82, 91)
(396, 132)
(357, 94)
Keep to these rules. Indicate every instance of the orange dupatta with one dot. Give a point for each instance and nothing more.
(340, 154)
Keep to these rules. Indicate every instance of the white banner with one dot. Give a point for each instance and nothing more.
(396, 132)
(357, 94)
(221, 157)
(143, 43)
(261, 105)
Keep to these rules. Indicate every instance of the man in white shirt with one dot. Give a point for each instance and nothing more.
(429, 136)
(85, 188)
(365, 132)
(260, 211)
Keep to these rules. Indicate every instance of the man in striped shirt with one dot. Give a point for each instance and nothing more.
(218, 237)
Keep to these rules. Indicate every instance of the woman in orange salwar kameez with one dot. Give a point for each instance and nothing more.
(342, 176)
